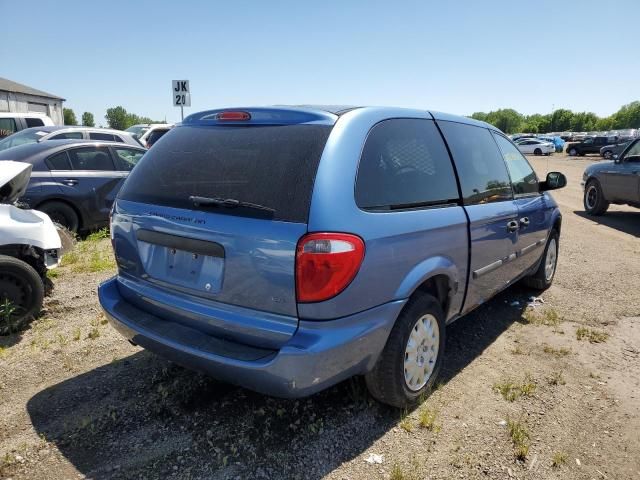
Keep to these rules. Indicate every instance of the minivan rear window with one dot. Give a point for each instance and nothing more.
(269, 165)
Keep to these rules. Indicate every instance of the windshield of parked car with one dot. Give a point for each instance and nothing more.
(137, 131)
(22, 138)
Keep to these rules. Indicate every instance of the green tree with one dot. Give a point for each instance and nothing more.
(116, 117)
(561, 120)
(628, 116)
(120, 119)
(87, 119)
(69, 116)
(506, 119)
(480, 116)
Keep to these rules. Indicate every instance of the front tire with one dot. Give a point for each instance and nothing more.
(411, 360)
(537, 151)
(543, 277)
(594, 202)
(21, 293)
(608, 154)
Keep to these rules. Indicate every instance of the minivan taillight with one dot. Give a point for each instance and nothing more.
(326, 263)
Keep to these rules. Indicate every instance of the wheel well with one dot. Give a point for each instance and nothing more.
(557, 224)
(437, 286)
(66, 202)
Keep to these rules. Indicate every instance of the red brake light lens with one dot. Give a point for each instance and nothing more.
(326, 263)
(233, 116)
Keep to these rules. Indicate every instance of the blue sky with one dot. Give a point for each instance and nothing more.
(457, 56)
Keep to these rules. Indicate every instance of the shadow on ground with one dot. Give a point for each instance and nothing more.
(627, 222)
(144, 417)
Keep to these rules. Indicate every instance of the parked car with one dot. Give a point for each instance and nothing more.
(588, 145)
(535, 146)
(75, 182)
(42, 134)
(615, 182)
(608, 151)
(29, 247)
(148, 134)
(557, 141)
(262, 264)
(11, 123)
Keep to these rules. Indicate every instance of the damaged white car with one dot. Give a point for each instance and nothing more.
(29, 246)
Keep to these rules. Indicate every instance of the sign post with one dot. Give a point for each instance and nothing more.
(181, 95)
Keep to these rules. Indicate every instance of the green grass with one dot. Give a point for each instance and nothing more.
(556, 378)
(511, 391)
(91, 255)
(405, 422)
(559, 459)
(549, 317)
(593, 336)
(427, 419)
(519, 437)
(558, 352)
(53, 273)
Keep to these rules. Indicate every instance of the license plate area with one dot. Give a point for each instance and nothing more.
(185, 262)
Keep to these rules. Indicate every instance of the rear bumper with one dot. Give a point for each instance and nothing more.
(318, 355)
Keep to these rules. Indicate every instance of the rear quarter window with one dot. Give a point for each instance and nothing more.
(270, 165)
(481, 168)
(404, 164)
(34, 122)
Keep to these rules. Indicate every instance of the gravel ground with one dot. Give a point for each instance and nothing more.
(77, 401)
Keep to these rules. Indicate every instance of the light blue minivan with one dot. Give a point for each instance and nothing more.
(286, 249)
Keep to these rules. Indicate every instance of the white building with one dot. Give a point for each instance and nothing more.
(18, 98)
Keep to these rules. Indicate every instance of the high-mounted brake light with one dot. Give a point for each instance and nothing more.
(233, 116)
(326, 263)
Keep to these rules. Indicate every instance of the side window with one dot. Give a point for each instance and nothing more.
(59, 161)
(66, 136)
(127, 158)
(404, 164)
(101, 136)
(481, 168)
(155, 136)
(523, 178)
(7, 127)
(633, 154)
(34, 122)
(588, 141)
(91, 158)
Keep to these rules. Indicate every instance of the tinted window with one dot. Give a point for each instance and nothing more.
(523, 178)
(90, 158)
(155, 136)
(482, 171)
(68, 135)
(633, 154)
(59, 161)
(7, 127)
(127, 158)
(101, 136)
(34, 122)
(404, 163)
(273, 166)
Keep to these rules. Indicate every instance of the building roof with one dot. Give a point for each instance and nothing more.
(15, 87)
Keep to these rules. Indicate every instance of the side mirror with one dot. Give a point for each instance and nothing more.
(616, 158)
(554, 181)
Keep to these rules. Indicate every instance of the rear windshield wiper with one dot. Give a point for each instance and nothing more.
(227, 203)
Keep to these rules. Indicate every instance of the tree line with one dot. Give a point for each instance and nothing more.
(116, 117)
(562, 120)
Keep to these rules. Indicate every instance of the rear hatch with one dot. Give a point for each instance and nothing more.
(205, 227)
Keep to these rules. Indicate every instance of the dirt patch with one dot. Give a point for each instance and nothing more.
(78, 401)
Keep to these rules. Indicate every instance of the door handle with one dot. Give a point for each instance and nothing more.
(512, 226)
(70, 182)
(524, 221)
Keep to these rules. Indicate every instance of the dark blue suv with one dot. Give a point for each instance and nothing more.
(287, 249)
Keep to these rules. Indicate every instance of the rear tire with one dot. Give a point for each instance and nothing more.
(62, 214)
(407, 371)
(23, 289)
(572, 152)
(543, 277)
(608, 154)
(594, 202)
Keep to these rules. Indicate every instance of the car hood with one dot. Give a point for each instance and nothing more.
(597, 167)
(14, 178)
